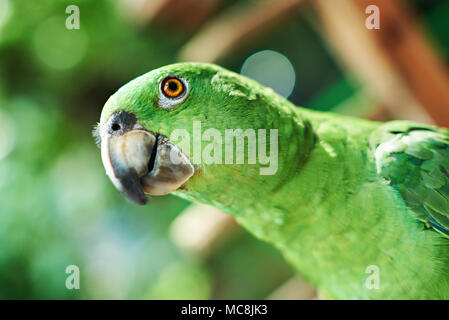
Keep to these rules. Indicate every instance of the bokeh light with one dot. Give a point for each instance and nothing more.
(58, 47)
(5, 12)
(271, 69)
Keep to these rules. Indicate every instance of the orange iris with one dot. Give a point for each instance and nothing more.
(173, 87)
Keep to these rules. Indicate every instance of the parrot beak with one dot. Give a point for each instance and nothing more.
(138, 161)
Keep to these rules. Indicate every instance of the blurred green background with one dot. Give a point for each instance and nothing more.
(57, 207)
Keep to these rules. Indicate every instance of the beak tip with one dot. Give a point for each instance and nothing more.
(130, 187)
(136, 196)
(141, 201)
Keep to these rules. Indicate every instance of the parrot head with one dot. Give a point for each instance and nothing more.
(137, 123)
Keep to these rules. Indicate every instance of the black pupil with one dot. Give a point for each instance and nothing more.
(173, 86)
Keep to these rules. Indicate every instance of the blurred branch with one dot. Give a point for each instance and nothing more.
(186, 14)
(417, 62)
(391, 69)
(201, 228)
(236, 26)
(295, 288)
(382, 113)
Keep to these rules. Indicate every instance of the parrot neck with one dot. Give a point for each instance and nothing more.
(242, 189)
(319, 158)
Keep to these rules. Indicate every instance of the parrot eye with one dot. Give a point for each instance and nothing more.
(173, 91)
(172, 87)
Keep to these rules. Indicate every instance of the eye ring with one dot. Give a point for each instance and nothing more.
(172, 91)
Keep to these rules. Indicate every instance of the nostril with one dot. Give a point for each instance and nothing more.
(115, 127)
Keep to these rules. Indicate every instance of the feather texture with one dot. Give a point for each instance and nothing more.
(415, 161)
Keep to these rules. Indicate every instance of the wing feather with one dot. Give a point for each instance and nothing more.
(414, 159)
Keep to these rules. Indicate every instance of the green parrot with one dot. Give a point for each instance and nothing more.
(359, 208)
